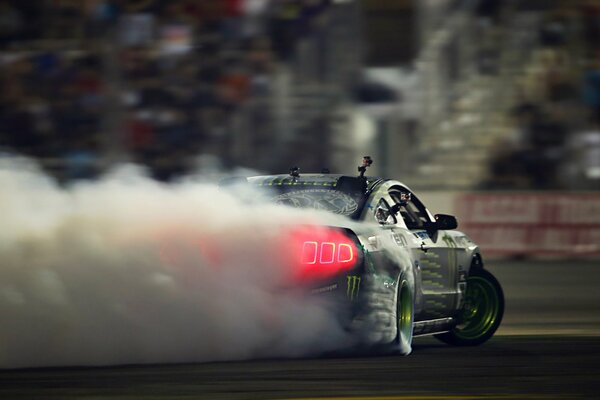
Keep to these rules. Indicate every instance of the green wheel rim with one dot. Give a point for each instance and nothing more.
(405, 314)
(481, 309)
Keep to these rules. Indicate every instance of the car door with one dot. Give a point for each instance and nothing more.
(435, 255)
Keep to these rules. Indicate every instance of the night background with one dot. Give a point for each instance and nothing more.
(488, 109)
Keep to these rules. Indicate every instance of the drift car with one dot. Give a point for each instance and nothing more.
(394, 270)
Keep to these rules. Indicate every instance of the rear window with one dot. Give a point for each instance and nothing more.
(342, 195)
(331, 200)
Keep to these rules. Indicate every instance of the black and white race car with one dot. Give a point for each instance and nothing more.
(394, 270)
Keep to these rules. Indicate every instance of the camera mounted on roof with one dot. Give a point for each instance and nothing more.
(366, 163)
(295, 172)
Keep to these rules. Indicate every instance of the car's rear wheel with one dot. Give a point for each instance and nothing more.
(482, 312)
(404, 317)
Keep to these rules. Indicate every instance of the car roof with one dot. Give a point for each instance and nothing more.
(340, 181)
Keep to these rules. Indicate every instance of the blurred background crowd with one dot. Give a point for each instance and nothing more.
(442, 93)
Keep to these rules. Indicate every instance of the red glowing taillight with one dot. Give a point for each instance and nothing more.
(322, 252)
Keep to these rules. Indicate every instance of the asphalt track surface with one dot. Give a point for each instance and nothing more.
(547, 347)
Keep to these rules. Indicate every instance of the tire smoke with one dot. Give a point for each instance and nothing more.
(127, 270)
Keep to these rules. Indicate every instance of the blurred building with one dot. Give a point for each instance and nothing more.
(506, 94)
(444, 94)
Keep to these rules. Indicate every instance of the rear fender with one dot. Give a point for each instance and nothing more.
(385, 263)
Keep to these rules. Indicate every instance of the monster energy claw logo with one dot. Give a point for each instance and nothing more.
(353, 282)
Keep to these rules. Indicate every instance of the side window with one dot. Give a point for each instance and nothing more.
(383, 214)
(412, 211)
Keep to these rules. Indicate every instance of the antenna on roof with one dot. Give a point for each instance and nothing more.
(295, 172)
(366, 163)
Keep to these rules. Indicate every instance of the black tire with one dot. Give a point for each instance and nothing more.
(404, 317)
(482, 312)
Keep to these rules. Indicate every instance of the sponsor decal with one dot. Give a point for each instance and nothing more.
(421, 235)
(353, 286)
(292, 181)
(399, 239)
(325, 289)
(388, 282)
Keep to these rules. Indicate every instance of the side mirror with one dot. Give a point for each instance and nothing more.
(445, 222)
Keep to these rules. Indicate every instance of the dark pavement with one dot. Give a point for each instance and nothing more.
(548, 347)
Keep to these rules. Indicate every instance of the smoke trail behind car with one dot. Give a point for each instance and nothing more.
(128, 270)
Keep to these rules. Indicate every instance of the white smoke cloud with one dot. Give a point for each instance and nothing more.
(128, 270)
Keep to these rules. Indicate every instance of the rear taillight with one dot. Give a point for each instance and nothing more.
(322, 252)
